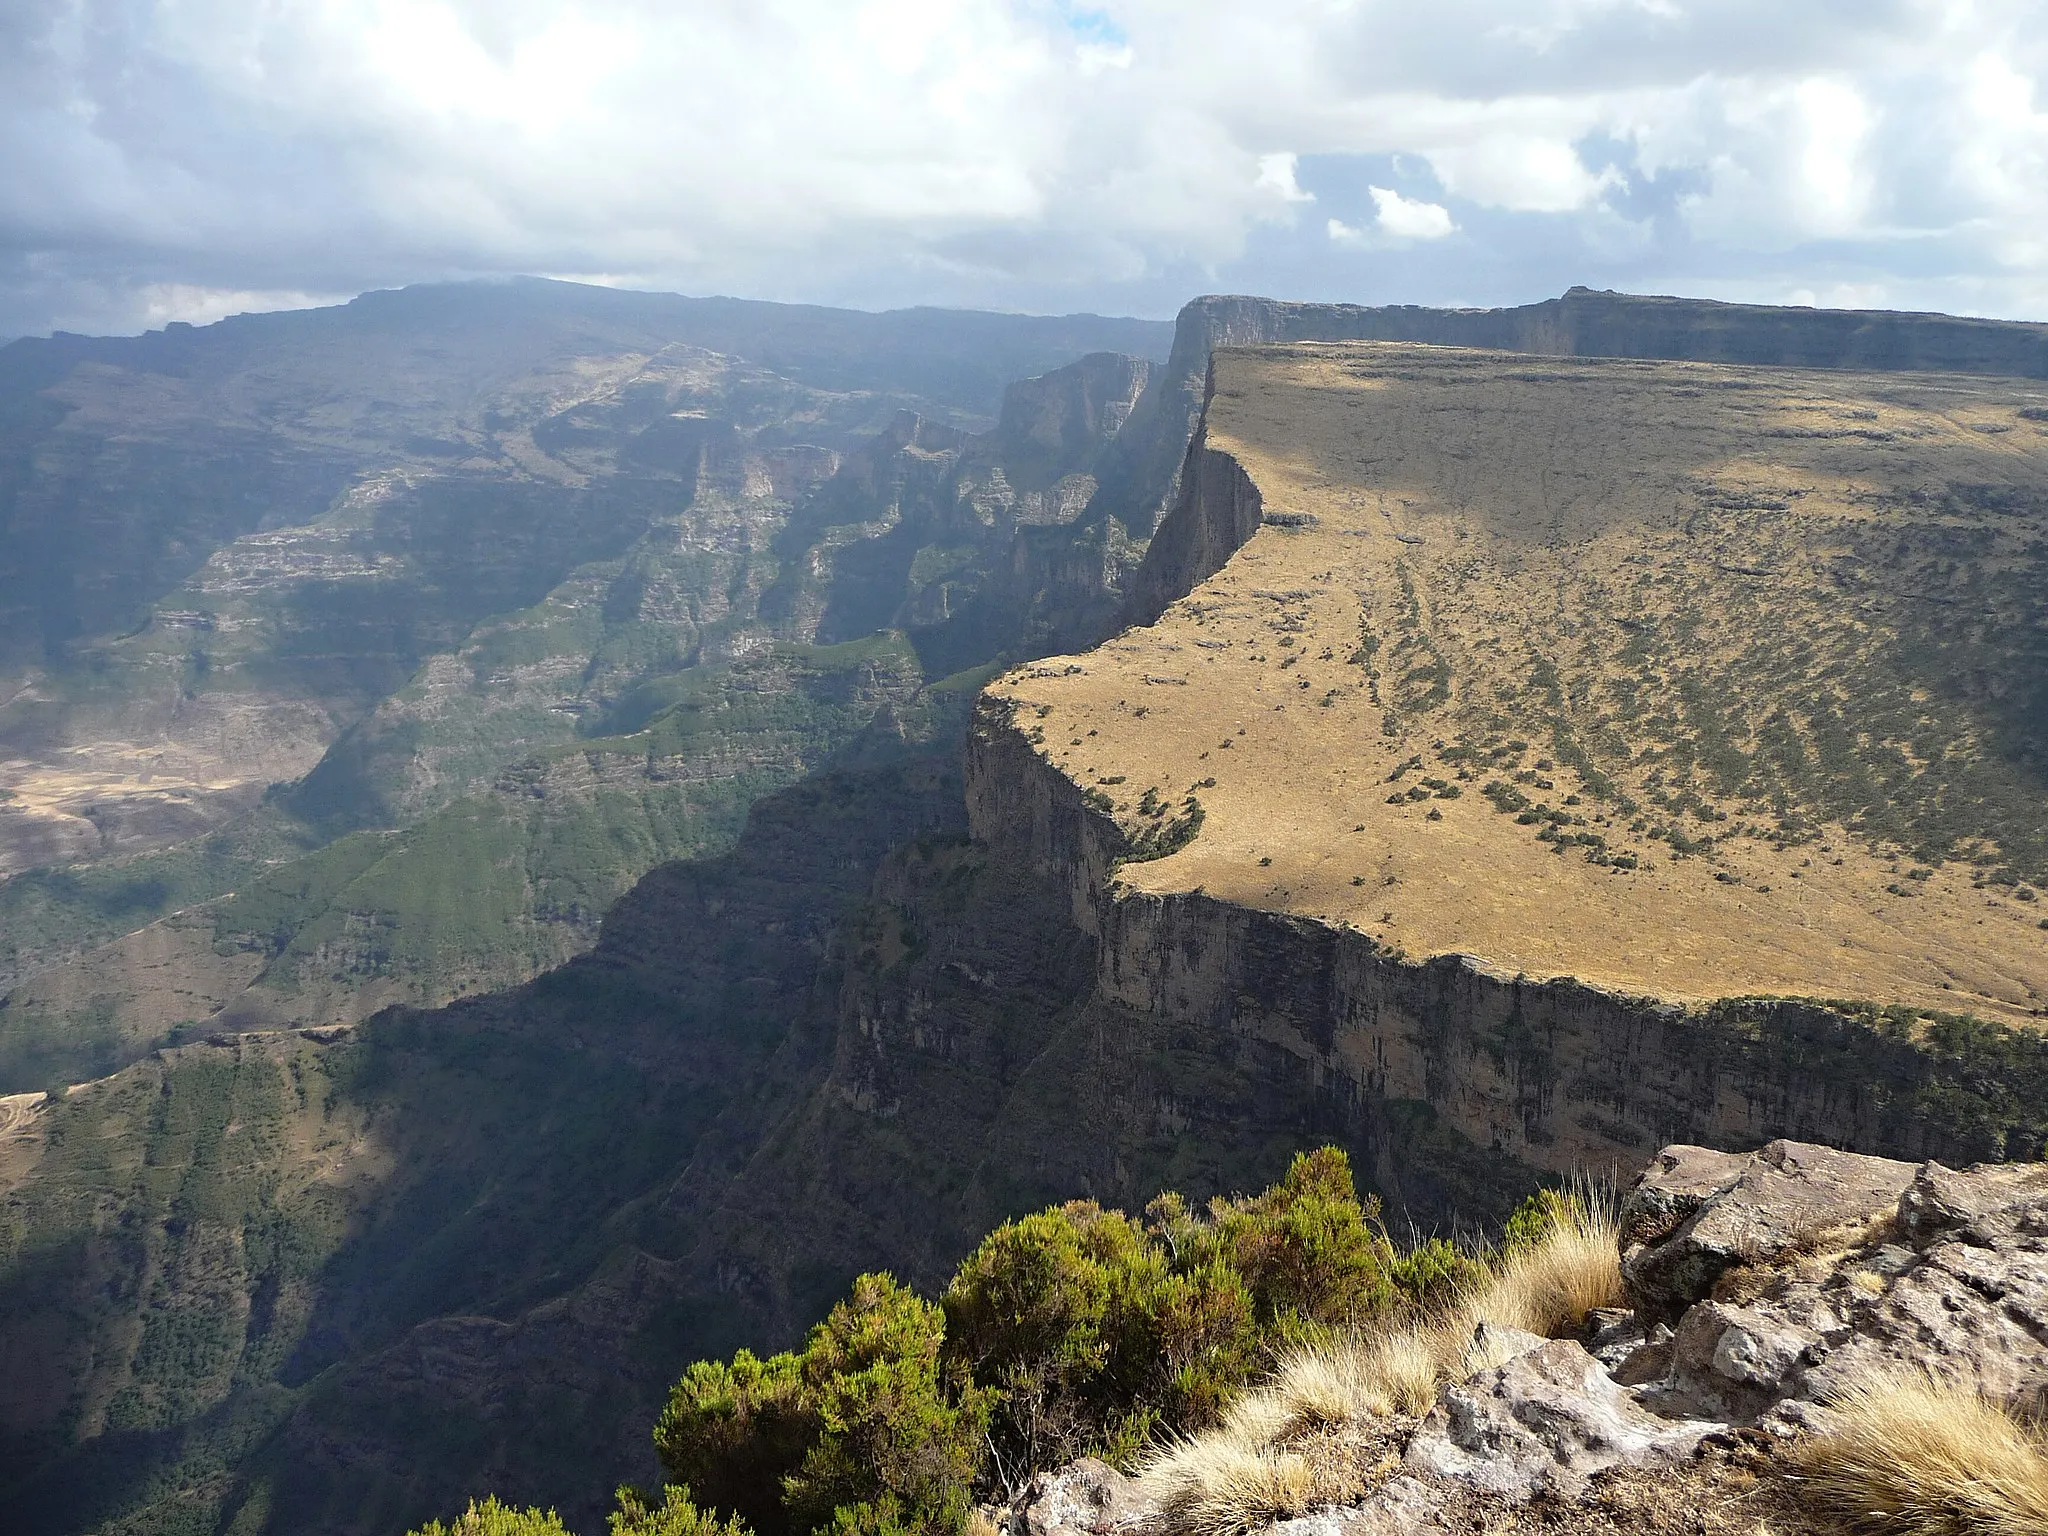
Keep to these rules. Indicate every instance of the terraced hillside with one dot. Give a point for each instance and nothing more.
(1684, 680)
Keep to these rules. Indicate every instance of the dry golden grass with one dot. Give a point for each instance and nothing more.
(1550, 1286)
(1262, 1462)
(1912, 1456)
(1212, 1485)
(1669, 540)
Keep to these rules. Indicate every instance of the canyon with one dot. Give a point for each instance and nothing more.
(337, 1253)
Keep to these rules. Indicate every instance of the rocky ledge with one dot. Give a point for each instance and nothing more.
(1761, 1289)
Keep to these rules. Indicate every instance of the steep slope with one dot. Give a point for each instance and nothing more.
(385, 1231)
(220, 546)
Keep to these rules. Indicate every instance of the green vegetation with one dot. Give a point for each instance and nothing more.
(1074, 1331)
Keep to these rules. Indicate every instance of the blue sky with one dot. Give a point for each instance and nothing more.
(184, 160)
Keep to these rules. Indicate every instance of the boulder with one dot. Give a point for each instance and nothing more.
(1544, 1422)
(1942, 1200)
(1855, 1265)
(1086, 1498)
(1679, 1180)
(1781, 1198)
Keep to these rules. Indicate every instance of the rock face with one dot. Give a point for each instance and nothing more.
(1555, 1074)
(1808, 1268)
(1543, 1422)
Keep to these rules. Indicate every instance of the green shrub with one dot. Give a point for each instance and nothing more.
(890, 1437)
(859, 1419)
(1089, 1331)
(1435, 1272)
(1073, 1331)
(1534, 1217)
(732, 1433)
(675, 1515)
(490, 1518)
(1311, 1253)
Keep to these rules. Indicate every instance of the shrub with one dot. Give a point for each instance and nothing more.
(1311, 1253)
(490, 1518)
(859, 1420)
(1090, 1331)
(675, 1515)
(1080, 1330)
(732, 1433)
(889, 1438)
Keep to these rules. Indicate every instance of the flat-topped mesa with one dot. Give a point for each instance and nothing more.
(1140, 482)
(1666, 682)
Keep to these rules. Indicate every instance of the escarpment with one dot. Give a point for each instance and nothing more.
(1584, 881)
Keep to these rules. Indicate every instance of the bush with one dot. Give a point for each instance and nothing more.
(675, 1515)
(858, 1422)
(732, 1433)
(1090, 1331)
(1071, 1332)
(890, 1439)
(490, 1518)
(1311, 1253)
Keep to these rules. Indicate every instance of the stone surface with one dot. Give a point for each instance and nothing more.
(1396, 1508)
(1545, 1421)
(1812, 1269)
(1787, 1194)
(1088, 1497)
(1678, 1182)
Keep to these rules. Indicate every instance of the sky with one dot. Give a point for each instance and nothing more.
(186, 159)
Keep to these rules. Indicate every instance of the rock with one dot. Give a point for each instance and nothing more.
(1402, 1506)
(1544, 1422)
(1496, 1344)
(1678, 1182)
(1973, 1308)
(1613, 1335)
(1940, 1200)
(1087, 1498)
(1783, 1196)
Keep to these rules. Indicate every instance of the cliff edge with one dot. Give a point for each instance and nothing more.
(1601, 752)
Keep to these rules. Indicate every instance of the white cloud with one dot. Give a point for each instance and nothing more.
(1018, 152)
(164, 302)
(1397, 220)
(1277, 176)
(1407, 218)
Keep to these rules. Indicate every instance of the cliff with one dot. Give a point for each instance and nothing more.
(1360, 533)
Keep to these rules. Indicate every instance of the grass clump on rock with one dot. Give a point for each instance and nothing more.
(1294, 1442)
(1911, 1455)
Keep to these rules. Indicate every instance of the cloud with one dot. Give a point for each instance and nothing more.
(1408, 218)
(1120, 154)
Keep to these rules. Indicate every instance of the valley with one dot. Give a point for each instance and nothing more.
(750, 844)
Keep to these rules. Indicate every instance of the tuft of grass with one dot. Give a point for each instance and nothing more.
(1549, 1284)
(1216, 1485)
(1909, 1455)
